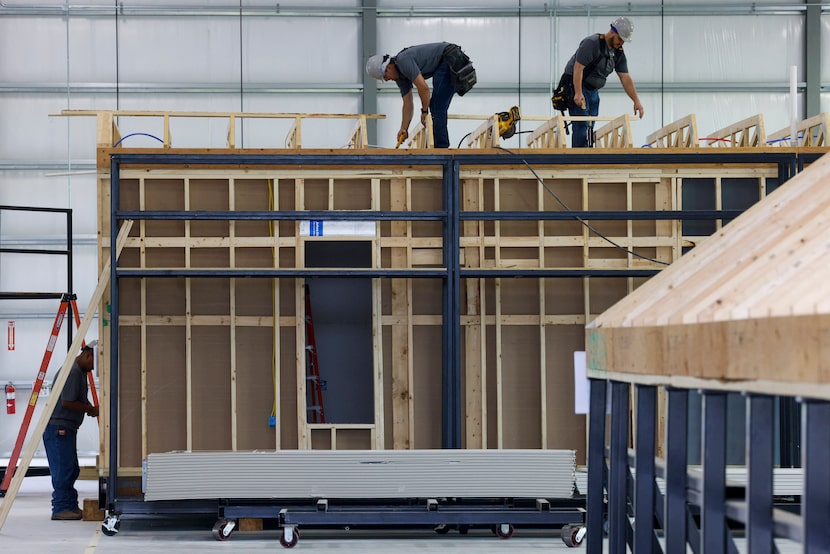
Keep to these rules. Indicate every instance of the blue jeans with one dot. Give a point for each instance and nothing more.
(580, 129)
(439, 104)
(62, 452)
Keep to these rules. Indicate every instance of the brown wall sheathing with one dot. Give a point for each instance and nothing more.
(564, 426)
(130, 393)
(520, 386)
(255, 371)
(211, 384)
(166, 404)
(427, 389)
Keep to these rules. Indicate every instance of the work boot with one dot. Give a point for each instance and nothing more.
(67, 515)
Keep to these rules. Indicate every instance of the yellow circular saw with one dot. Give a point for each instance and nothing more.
(507, 122)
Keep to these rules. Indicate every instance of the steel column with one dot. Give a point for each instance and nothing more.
(676, 459)
(644, 464)
(815, 498)
(115, 204)
(369, 47)
(713, 505)
(596, 465)
(451, 324)
(812, 58)
(618, 468)
(759, 450)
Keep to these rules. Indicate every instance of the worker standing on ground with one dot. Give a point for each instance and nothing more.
(451, 73)
(596, 58)
(61, 437)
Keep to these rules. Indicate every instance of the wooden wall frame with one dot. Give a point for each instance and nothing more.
(527, 286)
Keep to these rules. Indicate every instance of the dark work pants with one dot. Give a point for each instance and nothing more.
(581, 129)
(62, 452)
(439, 104)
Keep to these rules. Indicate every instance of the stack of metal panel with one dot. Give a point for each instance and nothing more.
(360, 474)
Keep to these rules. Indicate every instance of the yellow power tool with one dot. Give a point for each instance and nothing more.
(507, 122)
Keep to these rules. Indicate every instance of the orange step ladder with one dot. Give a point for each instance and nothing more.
(67, 300)
(314, 397)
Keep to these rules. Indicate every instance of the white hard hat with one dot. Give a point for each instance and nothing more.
(623, 27)
(376, 66)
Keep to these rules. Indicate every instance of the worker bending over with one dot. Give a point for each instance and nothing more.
(451, 73)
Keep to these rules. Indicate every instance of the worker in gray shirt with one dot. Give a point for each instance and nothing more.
(451, 73)
(61, 437)
(596, 58)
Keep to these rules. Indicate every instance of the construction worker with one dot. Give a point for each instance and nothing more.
(451, 73)
(61, 437)
(596, 58)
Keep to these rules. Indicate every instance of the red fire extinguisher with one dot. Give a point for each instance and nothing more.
(10, 399)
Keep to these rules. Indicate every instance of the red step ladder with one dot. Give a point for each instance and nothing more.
(66, 301)
(314, 396)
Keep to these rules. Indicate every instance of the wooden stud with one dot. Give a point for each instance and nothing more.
(276, 320)
(234, 423)
(474, 380)
(402, 392)
(188, 331)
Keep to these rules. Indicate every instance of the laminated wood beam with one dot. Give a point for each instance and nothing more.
(746, 309)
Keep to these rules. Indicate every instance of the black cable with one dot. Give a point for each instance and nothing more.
(462, 139)
(576, 217)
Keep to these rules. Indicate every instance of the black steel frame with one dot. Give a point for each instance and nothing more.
(451, 273)
(47, 252)
(696, 509)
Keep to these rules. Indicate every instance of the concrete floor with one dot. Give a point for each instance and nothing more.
(28, 530)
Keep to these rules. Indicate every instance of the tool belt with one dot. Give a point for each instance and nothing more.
(563, 96)
(462, 70)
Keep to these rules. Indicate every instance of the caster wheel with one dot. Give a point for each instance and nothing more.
(442, 529)
(572, 535)
(289, 537)
(223, 529)
(110, 526)
(504, 531)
